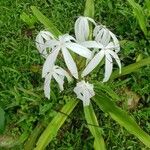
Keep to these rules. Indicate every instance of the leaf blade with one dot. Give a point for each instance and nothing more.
(45, 21)
(130, 68)
(140, 16)
(122, 118)
(94, 128)
(89, 8)
(53, 127)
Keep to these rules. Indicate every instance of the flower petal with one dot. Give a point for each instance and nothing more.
(62, 72)
(50, 61)
(81, 50)
(41, 39)
(116, 42)
(105, 38)
(93, 63)
(51, 43)
(66, 38)
(115, 56)
(59, 80)
(96, 30)
(84, 92)
(91, 20)
(47, 85)
(91, 44)
(108, 67)
(70, 62)
(81, 29)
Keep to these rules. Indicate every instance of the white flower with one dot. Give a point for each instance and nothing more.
(64, 44)
(58, 74)
(103, 35)
(107, 50)
(82, 28)
(41, 39)
(84, 92)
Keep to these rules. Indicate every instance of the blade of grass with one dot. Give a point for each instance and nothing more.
(130, 68)
(94, 128)
(51, 131)
(139, 14)
(121, 117)
(45, 21)
(89, 8)
(2, 120)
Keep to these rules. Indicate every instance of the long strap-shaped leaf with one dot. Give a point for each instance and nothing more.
(89, 8)
(139, 14)
(130, 68)
(121, 117)
(30, 143)
(51, 131)
(45, 21)
(94, 127)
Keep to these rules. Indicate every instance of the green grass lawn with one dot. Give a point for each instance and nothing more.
(21, 85)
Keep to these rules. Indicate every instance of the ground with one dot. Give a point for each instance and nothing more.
(21, 94)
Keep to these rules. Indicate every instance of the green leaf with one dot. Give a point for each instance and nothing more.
(45, 21)
(89, 12)
(147, 3)
(139, 14)
(121, 117)
(51, 131)
(30, 143)
(29, 20)
(94, 127)
(89, 8)
(130, 68)
(2, 120)
(107, 89)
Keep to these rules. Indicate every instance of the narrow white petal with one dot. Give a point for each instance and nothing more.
(66, 38)
(70, 62)
(110, 46)
(91, 44)
(105, 38)
(82, 28)
(86, 97)
(85, 29)
(41, 39)
(59, 80)
(47, 85)
(99, 36)
(115, 56)
(51, 43)
(91, 20)
(93, 63)
(84, 92)
(76, 28)
(47, 35)
(50, 61)
(81, 50)
(96, 30)
(62, 72)
(79, 31)
(108, 67)
(116, 42)
(39, 43)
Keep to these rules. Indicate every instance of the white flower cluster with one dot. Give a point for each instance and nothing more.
(104, 46)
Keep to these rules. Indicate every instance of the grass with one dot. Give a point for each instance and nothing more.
(21, 94)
